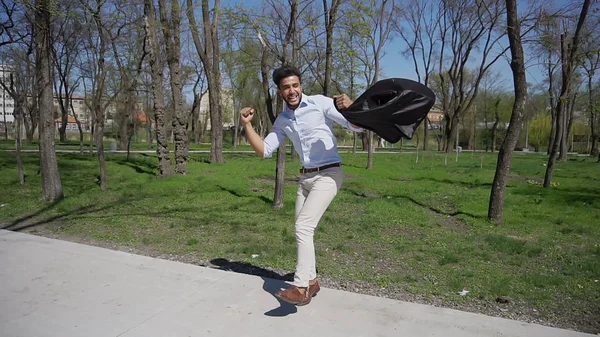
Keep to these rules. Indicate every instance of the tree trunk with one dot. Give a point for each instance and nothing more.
(62, 130)
(568, 60)
(370, 149)
(80, 133)
(279, 176)
(552, 104)
(19, 120)
(564, 139)
(172, 33)
(495, 126)
(425, 134)
(569, 128)
(216, 120)
(330, 16)
(125, 115)
(593, 115)
(473, 133)
(156, 66)
(5, 125)
(51, 183)
(194, 117)
(516, 120)
(451, 132)
(209, 54)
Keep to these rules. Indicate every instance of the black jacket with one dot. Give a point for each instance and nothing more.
(392, 108)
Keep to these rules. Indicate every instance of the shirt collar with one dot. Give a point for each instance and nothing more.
(304, 101)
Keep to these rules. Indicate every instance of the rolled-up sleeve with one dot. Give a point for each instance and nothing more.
(273, 139)
(332, 113)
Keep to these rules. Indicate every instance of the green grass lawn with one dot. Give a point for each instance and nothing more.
(413, 228)
(72, 144)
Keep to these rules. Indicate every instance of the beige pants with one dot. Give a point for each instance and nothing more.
(315, 192)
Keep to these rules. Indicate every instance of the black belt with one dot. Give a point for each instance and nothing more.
(317, 169)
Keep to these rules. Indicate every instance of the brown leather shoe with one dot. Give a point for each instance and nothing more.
(314, 288)
(294, 296)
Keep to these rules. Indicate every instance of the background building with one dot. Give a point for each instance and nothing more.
(7, 104)
(227, 109)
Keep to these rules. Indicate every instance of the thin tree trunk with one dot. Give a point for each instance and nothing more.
(425, 134)
(79, 128)
(156, 66)
(125, 114)
(552, 104)
(593, 118)
(92, 137)
(451, 132)
(495, 126)
(370, 149)
(473, 132)
(568, 60)
(591, 106)
(62, 130)
(51, 183)
(564, 139)
(330, 16)
(5, 124)
(279, 176)
(517, 65)
(172, 32)
(33, 110)
(569, 128)
(209, 54)
(19, 119)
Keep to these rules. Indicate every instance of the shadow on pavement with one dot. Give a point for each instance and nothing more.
(273, 282)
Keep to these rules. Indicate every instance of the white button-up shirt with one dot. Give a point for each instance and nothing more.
(310, 128)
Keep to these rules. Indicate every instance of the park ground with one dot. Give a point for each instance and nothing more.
(408, 229)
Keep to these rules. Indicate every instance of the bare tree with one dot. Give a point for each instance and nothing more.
(376, 17)
(66, 49)
(171, 28)
(51, 183)
(282, 51)
(157, 66)
(418, 27)
(11, 31)
(127, 40)
(591, 63)
(210, 56)
(96, 53)
(330, 18)
(568, 53)
(16, 85)
(464, 28)
(517, 65)
(19, 97)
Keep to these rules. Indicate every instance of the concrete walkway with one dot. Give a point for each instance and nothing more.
(57, 288)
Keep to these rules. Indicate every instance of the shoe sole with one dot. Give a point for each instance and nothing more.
(291, 302)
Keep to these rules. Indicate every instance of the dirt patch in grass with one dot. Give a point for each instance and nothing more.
(369, 194)
(526, 178)
(407, 232)
(452, 223)
(402, 179)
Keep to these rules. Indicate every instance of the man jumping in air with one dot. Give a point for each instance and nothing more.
(308, 122)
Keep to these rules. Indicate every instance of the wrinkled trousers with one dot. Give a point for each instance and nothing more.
(316, 190)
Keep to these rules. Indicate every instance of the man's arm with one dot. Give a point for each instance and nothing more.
(257, 143)
(263, 148)
(342, 102)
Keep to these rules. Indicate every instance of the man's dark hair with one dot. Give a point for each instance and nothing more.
(285, 71)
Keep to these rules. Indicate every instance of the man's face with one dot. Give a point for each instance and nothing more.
(290, 90)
